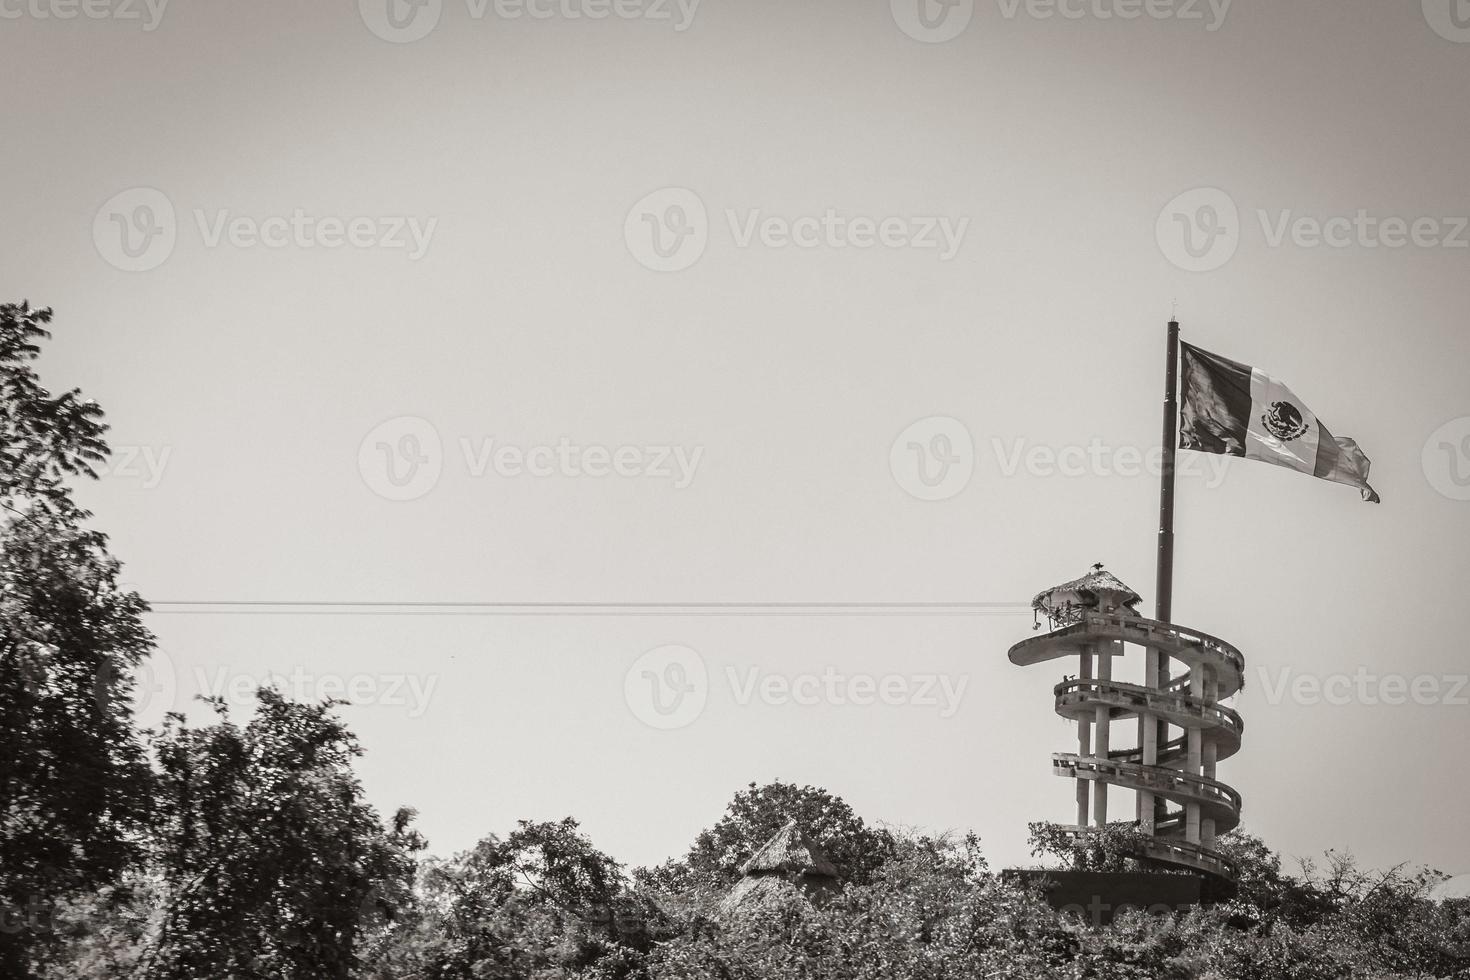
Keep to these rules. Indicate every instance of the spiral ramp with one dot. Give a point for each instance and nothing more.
(1181, 806)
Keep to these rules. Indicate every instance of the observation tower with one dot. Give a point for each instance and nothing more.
(1178, 729)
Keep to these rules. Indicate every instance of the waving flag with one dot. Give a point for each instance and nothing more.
(1237, 410)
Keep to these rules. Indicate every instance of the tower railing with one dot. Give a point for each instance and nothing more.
(1160, 769)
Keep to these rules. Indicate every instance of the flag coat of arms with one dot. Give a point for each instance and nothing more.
(1237, 410)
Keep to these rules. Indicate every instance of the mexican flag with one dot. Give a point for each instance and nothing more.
(1237, 410)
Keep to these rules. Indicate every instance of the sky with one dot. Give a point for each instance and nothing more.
(852, 309)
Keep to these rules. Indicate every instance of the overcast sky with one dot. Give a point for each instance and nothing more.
(321, 265)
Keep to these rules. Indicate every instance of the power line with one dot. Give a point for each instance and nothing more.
(299, 607)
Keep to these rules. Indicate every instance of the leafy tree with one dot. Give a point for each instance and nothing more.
(43, 437)
(245, 852)
(270, 864)
(541, 902)
(1390, 917)
(74, 787)
(1265, 893)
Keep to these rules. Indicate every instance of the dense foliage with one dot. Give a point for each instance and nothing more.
(245, 849)
(74, 786)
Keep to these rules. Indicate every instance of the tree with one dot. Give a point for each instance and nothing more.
(74, 786)
(543, 901)
(43, 438)
(269, 863)
(1265, 893)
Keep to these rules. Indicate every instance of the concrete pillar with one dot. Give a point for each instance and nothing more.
(1148, 741)
(1084, 741)
(1207, 761)
(1102, 725)
(1192, 766)
(1160, 661)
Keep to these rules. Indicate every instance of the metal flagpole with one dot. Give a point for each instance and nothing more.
(1164, 591)
(1164, 586)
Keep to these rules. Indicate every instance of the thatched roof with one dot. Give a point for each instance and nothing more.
(1098, 588)
(789, 852)
(752, 893)
(787, 866)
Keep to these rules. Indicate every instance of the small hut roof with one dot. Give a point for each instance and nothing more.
(755, 891)
(789, 852)
(1093, 582)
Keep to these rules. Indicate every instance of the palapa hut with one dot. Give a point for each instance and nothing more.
(1097, 591)
(788, 864)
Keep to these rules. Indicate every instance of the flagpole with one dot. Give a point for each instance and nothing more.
(1153, 808)
(1164, 591)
